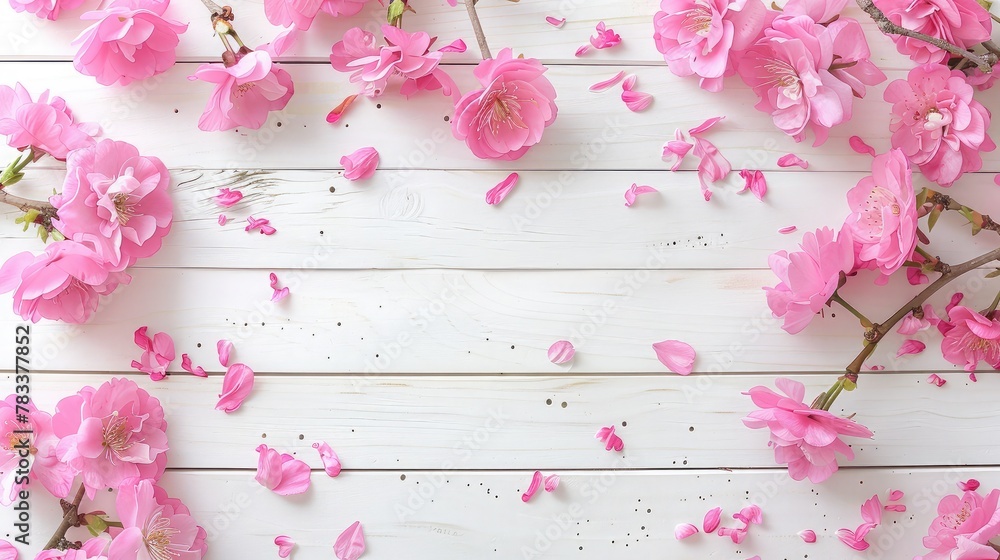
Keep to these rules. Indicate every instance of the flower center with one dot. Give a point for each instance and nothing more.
(954, 520)
(14, 441)
(502, 109)
(117, 435)
(243, 88)
(871, 213)
(157, 537)
(698, 20)
(782, 75)
(123, 207)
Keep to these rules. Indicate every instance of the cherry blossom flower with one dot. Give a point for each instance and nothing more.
(285, 545)
(503, 188)
(705, 38)
(236, 387)
(245, 93)
(684, 530)
(280, 472)
(64, 283)
(157, 353)
(536, 483)
(111, 434)
(963, 23)
(300, 14)
(970, 338)
(153, 523)
(350, 544)
(130, 40)
(507, 116)
(117, 200)
(789, 160)
(712, 520)
(561, 351)
(634, 191)
(46, 9)
(937, 124)
(809, 278)
(676, 355)
(806, 439)
(963, 523)
(227, 198)
(755, 183)
(30, 432)
(331, 463)
(360, 164)
(608, 437)
(44, 126)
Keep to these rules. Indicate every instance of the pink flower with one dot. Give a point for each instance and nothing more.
(47, 9)
(706, 38)
(111, 434)
(331, 463)
(962, 522)
(755, 183)
(116, 199)
(684, 530)
(561, 352)
(63, 284)
(936, 380)
(605, 37)
(35, 438)
(808, 278)
(937, 124)
(911, 324)
(806, 439)
(634, 191)
(281, 473)
(970, 338)
(712, 519)
(963, 23)
(676, 355)
(350, 545)
(300, 14)
(157, 353)
(883, 220)
(502, 189)
(236, 387)
(154, 525)
(285, 545)
(244, 93)
(130, 41)
(507, 116)
(360, 164)
(611, 441)
(405, 55)
(93, 549)
(43, 125)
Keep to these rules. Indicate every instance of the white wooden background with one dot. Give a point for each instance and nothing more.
(415, 338)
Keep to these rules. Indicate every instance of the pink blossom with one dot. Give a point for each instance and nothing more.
(536, 483)
(157, 353)
(278, 293)
(43, 125)
(244, 93)
(236, 387)
(684, 530)
(561, 352)
(806, 439)
(129, 41)
(507, 116)
(963, 521)
(227, 198)
(350, 545)
(285, 545)
(712, 165)
(154, 525)
(808, 278)
(502, 189)
(30, 432)
(111, 434)
(405, 55)
(755, 183)
(676, 355)
(280, 472)
(936, 380)
(300, 14)
(821, 11)
(911, 324)
(634, 191)
(116, 199)
(963, 23)
(970, 338)
(92, 549)
(331, 463)
(63, 284)
(937, 124)
(712, 519)
(808, 535)
(605, 37)
(705, 38)
(187, 366)
(611, 441)
(360, 164)
(788, 160)
(7, 551)
(47, 9)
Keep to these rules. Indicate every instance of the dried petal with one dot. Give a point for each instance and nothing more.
(561, 352)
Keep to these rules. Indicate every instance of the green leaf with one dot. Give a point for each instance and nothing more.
(395, 12)
(922, 197)
(95, 524)
(985, 3)
(27, 219)
(994, 274)
(932, 217)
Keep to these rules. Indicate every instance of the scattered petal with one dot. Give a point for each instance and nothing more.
(996, 179)
(808, 535)
(157, 353)
(972, 377)
(750, 515)
(224, 348)
(871, 512)
(755, 183)
(970, 485)
(503, 188)
(634, 191)
(236, 387)
(676, 149)
(223, 219)
(339, 110)
(551, 482)
(736, 535)
(859, 146)
(281, 473)
(351, 543)
(360, 164)
(712, 519)
(7, 551)
(582, 50)
(876, 368)
(709, 123)
(555, 22)
(227, 198)
(910, 346)
(186, 366)
(676, 355)
(561, 352)
(285, 545)
(636, 101)
(712, 167)
(263, 224)
(787, 229)
(915, 276)
(279, 293)
(611, 441)
(456, 46)
(684, 530)
(789, 160)
(605, 37)
(629, 83)
(607, 84)
(849, 538)
(536, 483)
(331, 463)
(936, 380)
(899, 508)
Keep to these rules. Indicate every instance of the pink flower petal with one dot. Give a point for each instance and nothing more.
(859, 146)
(605, 37)
(551, 482)
(712, 519)
(224, 347)
(236, 387)
(281, 473)
(637, 101)
(676, 149)
(876, 368)
(970, 485)
(709, 123)
(360, 164)
(536, 483)
(956, 299)
(972, 377)
(351, 543)
(634, 191)
(915, 276)
(712, 167)
(561, 352)
(503, 188)
(871, 512)
(848, 537)
(996, 179)
(789, 160)
(7, 551)
(607, 84)
(285, 545)
(331, 463)
(684, 530)
(808, 535)
(629, 83)
(186, 366)
(676, 355)
(338, 111)
(750, 515)
(227, 198)
(896, 495)
(555, 22)
(263, 224)
(611, 441)
(899, 508)
(787, 229)
(456, 46)
(936, 380)
(279, 293)
(736, 535)
(910, 346)
(582, 50)
(223, 219)
(755, 183)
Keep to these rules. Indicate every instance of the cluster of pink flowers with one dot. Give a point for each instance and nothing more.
(964, 526)
(112, 437)
(113, 210)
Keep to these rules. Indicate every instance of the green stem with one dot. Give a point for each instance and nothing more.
(864, 320)
(832, 394)
(993, 306)
(923, 253)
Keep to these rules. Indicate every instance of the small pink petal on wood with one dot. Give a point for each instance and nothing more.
(735, 535)
(225, 348)
(536, 483)
(684, 530)
(876, 368)
(896, 495)
(789, 160)
(712, 166)
(503, 188)
(970, 485)
(787, 229)
(331, 463)
(608, 437)
(629, 83)
(263, 224)
(750, 515)
(227, 198)
(554, 21)
(561, 352)
(338, 111)
(605, 37)
(936, 380)
(634, 191)
(871, 513)
(755, 183)
(456, 46)
(279, 293)
(808, 535)
(860, 146)
(223, 219)
(360, 164)
(551, 482)
(637, 101)
(709, 123)
(849, 538)
(186, 366)
(350, 544)
(676, 149)
(582, 50)
(910, 346)
(236, 387)
(676, 355)
(607, 84)
(7, 551)
(898, 508)
(712, 519)
(285, 545)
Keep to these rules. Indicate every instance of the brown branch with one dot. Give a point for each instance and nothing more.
(70, 519)
(213, 7)
(985, 62)
(484, 48)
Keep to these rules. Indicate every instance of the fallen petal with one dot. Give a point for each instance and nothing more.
(636, 101)
(582, 50)
(331, 463)
(551, 482)
(910, 346)
(712, 519)
(755, 183)
(555, 22)
(351, 543)
(750, 515)
(970, 485)
(607, 84)
(333, 116)
(279, 293)
(561, 352)
(503, 188)
(456, 46)
(684, 530)
(847, 537)
(223, 219)
(789, 160)
(634, 191)
(236, 387)
(936, 380)
(676, 355)
(611, 441)
(227, 198)
(895, 495)
(899, 508)
(224, 347)
(859, 146)
(536, 483)
(736, 535)
(285, 545)
(808, 535)
(709, 123)
(787, 229)
(186, 366)
(360, 164)
(629, 83)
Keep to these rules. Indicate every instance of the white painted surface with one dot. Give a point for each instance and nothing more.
(418, 313)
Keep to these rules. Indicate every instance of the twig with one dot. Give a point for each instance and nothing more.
(213, 7)
(70, 519)
(484, 48)
(43, 208)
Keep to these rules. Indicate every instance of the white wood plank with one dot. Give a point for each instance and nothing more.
(597, 514)
(475, 422)
(593, 131)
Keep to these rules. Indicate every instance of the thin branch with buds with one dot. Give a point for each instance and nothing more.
(484, 48)
(70, 519)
